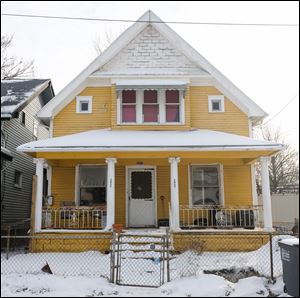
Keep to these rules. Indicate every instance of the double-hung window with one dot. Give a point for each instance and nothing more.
(128, 109)
(172, 106)
(92, 185)
(205, 185)
(150, 106)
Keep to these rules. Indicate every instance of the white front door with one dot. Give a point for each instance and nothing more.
(141, 197)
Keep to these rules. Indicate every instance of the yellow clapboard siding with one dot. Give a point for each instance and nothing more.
(69, 244)
(63, 185)
(67, 121)
(104, 114)
(219, 241)
(233, 120)
(237, 185)
(181, 241)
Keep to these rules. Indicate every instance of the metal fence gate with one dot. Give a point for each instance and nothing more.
(139, 260)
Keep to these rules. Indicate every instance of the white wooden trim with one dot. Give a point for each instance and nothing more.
(212, 98)
(174, 186)
(162, 106)
(220, 177)
(49, 178)
(140, 167)
(139, 107)
(89, 100)
(110, 192)
(39, 193)
(158, 149)
(51, 128)
(119, 107)
(77, 196)
(266, 194)
(182, 107)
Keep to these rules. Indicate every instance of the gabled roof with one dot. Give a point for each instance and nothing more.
(130, 140)
(17, 93)
(149, 18)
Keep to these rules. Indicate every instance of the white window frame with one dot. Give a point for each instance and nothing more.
(211, 99)
(18, 185)
(220, 178)
(161, 101)
(80, 99)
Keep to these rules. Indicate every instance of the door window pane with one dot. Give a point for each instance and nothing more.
(141, 185)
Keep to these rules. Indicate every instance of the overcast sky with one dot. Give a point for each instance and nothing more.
(261, 61)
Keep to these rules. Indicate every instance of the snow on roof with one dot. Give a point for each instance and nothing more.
(14, 93)
(107, 139)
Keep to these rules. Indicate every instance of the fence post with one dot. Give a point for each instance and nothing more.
(8, 241)
(168, 255)
(112, 258)
(271, 257)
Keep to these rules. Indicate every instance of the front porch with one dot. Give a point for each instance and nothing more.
(148, 193)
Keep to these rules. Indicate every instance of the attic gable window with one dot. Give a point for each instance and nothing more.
(84, 104)
(216, 103)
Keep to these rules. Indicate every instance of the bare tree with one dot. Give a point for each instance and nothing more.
(11, 66)
(103, 42)
(284, 167)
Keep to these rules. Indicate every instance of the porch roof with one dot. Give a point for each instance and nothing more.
(117, 140)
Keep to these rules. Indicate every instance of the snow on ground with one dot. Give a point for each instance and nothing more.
(86, 273)
(205, 285)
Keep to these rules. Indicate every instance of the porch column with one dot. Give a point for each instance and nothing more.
(174, 193)
(39, 193)
(110, 204)
(266, 194)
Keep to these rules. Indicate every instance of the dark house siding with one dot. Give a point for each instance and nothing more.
(16, 202)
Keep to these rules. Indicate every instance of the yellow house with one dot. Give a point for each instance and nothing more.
(150, 134)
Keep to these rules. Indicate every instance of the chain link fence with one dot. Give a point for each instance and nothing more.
(197, 258)
(59, 255)
(143, 260)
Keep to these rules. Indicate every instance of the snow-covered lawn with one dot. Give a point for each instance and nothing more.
(205, 285)
(86, 274)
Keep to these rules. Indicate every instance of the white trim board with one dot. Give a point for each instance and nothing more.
(222, 83)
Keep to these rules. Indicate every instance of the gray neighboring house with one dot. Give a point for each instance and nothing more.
(20, 102)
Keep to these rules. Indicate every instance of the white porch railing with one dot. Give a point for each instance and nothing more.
(74, 218)
(208, 216)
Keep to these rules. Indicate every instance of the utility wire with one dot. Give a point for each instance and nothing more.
(139, 21)
(280, 110)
